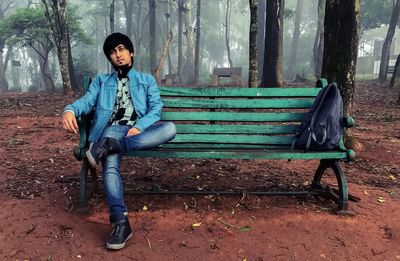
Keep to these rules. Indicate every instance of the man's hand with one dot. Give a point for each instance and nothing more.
(133, 131)
(69, 122)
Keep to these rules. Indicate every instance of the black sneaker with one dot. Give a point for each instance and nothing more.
(121, 232)
(100, 149)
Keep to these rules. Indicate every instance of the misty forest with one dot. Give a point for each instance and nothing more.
(183, 41)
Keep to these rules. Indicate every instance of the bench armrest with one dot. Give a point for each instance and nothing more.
(84, 124)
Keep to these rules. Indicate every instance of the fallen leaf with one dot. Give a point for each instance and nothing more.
(51, 160)
(381, 199)
(196, 224)
(366, 193)
(392, 177)
(244, 228)
(145, 208)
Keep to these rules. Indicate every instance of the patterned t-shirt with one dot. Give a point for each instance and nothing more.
(124, 112)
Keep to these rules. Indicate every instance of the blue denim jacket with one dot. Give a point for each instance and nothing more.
(102, 93)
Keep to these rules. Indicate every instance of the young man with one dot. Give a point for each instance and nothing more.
(128, 108)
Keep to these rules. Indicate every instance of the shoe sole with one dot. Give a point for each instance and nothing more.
(118, 246)
(90, 158)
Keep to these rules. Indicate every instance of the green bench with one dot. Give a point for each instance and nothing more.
(238, 123)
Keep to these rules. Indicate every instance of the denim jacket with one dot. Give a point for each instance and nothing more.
(102, 94)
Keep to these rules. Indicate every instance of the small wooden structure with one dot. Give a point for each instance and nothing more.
(170, 79)
(235, 73)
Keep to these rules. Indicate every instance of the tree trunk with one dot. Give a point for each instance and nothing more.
(395, 72)
(253, 66)
(14, 75)
(59, 30)
(318, 47)
(398, 100)
(164, 54)
(168, 16)
(273, 47)
(152, 32)
(180, 54)
(295, 42)
(128, 7)
(137, 31)
(112, 16)
(227, 29)
(388, 42)
(260, 36)
(340, 47)
(3, 80)
(48, 82)
(197, 50)
(188, 68)
(71, 68)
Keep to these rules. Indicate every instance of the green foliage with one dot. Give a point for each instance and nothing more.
(28, 25)
(77, 34)
(25, 26)
(375, 13)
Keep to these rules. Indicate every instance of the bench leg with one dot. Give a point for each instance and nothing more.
(340, 196)
(83, 199)
(86, 188)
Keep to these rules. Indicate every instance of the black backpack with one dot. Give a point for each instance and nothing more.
(321, 128)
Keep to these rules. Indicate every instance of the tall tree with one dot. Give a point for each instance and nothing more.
(318, 47)
(180, 54)
(128, 8)
(112, 16)
(152, 33)
(55, 11)
(260, 36)
(4, 6)
(188, 69)
(197, 49)
(227, 31)
(388, 42)
(273, 48)
(168, 17)
(253, 66)
(396, 70)
(340, 47)
(295, 42)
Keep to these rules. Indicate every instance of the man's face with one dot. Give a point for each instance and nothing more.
(120, 56)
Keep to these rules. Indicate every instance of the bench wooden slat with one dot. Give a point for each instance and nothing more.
(239, 92)
(237, 103)
(230, 138)
(248, 154)
(214, 146)
(239, 129)
(233, 116)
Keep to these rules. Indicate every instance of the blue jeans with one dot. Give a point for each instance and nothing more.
(155, 135)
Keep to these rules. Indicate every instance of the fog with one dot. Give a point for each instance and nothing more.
(92, 25)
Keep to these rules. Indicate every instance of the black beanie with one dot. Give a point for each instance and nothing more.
(115, 39)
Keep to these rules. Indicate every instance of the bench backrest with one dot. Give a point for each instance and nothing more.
(236, 117)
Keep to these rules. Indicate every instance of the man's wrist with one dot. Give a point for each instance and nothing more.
(69, 111)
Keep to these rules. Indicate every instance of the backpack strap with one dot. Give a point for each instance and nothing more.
(312, 135)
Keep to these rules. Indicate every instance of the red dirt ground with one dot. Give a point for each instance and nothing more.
(39, 180)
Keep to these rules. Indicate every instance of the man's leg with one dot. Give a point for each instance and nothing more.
(157, 134)
(114, 191)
